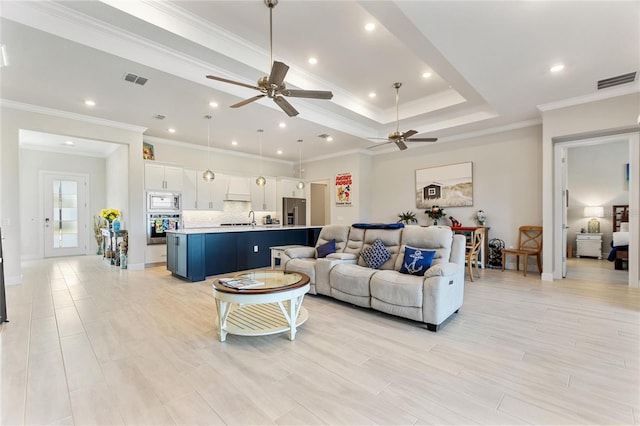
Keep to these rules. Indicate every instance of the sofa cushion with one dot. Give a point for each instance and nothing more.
(436, 238)
(326, 248)
(391, 240)
(339, 233)
(376, 254)
(416, 261)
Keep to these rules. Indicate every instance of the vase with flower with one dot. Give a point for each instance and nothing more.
(435, 213)
(109, 215)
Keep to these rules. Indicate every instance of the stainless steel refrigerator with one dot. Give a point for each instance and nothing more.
(294, 211)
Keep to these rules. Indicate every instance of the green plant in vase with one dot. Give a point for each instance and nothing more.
(407, 218)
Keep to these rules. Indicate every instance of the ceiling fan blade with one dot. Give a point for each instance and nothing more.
(247, 101)
(422, 140)
(379, 144)
(237, 83)
(278, 72)
(409, 133)
(286, 106)
(401, 145)
(314, 94)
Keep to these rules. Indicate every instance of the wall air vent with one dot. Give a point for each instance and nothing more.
(616, 81)
(159, 117)
(132, 78)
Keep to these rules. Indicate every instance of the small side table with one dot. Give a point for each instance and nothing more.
(111, 246)
(276, 254)
(589, 245)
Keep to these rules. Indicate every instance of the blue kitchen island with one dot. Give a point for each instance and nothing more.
(196, 253)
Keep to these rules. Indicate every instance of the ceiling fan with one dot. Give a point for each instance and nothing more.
(400, 138)
(272, 85)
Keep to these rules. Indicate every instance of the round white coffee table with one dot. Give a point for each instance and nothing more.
(271, 308)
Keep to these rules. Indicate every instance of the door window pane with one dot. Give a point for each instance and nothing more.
(65, 214)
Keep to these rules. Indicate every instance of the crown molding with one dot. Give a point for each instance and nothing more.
(593, 97)
(181, 144)
(6, 103)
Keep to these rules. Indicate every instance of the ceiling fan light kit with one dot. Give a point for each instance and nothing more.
(272, 86)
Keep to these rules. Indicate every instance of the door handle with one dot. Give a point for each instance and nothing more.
(46, 222)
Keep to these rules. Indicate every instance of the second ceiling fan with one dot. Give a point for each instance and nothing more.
(400, 138)
(272, 85)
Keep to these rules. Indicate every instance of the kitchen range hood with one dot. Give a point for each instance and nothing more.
(238, 189)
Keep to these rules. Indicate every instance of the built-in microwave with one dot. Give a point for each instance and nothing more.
(163, 202)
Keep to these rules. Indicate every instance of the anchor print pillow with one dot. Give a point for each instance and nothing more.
(416, 261)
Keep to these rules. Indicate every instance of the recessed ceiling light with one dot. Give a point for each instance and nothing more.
(234, 143)
(370, 26)
(171, 130)
(70, 143)
(213, 104)
(372, 94)
(426, 74)
(282, 125)
(313, 61)
(329, 138)
(557, 68)
(89, 102)
(279, 152)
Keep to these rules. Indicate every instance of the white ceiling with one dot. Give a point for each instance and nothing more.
(489, 62)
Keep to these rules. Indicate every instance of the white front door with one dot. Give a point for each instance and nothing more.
(65, 214)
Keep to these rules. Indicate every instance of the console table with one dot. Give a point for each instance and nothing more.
(111, 244)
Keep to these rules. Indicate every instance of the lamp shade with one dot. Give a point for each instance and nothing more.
(594, 211)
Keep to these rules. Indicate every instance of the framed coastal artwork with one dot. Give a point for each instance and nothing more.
(445, 186)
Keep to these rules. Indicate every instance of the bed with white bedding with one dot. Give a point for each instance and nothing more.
(619, 253)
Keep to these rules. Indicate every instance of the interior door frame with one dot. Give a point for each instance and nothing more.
(633, 141)
(84, 235)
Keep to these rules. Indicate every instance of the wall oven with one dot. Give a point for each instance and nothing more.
(163, 202)
(158, 224)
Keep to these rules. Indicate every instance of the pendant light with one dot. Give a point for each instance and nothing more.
(208, 175)
(261, 181)
(300, 184)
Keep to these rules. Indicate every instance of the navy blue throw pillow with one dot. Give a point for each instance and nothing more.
(416, 261)
(327, 248)
(376, 254)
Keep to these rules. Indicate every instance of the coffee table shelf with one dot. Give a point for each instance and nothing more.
(273, 308)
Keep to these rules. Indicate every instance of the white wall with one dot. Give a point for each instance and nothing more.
(506, 180)
(31, 216)
(117, 185)
(596, 177)
(358, 164)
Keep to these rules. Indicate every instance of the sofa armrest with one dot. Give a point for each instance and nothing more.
(342, 256)
(301, 252)
(442, 270)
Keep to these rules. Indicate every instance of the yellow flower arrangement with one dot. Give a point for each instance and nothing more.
(109, 214)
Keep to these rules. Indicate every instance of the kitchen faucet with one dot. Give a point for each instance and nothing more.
(252, 215)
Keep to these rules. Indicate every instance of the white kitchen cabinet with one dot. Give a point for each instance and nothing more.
(263, 198)
(160, 176)
(288, 187)
(190, 189)
(589, 245)
(210, 194)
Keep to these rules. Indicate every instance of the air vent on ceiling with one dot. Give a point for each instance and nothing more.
(159, 117)
(132, 78)
(616, 81)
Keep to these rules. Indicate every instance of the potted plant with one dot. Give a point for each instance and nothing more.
(407, 218)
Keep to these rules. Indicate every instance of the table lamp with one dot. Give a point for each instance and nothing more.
(594, 212)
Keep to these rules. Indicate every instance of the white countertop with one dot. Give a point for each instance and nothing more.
(248, 228)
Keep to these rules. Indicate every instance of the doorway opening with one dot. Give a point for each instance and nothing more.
(320, 205)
